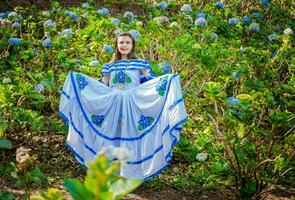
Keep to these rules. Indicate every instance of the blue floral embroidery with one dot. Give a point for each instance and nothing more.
(144, 122)
(161, 86)
(81, 81)
(97, 119)
(121, 77)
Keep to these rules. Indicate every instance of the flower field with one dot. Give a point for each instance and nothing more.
(236, 61)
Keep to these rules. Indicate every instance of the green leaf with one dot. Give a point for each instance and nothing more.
(5, 143)
(6, 195)
(78, 190)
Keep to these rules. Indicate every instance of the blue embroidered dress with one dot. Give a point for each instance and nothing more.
(144, 119)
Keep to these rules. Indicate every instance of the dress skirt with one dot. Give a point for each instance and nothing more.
(145, 120)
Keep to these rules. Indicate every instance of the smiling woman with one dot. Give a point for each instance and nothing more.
(144, 119)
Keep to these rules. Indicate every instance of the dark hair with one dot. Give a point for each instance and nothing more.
(117, 56)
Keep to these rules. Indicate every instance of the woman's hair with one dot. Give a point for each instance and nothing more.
(117, 56)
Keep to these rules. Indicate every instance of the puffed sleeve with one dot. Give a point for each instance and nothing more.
(105, 69)
(150, 75)
(147, 65)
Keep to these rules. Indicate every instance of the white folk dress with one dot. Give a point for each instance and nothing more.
(144, 119)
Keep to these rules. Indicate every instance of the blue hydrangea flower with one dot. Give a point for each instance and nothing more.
(200, 15)
(257, 15)
(40, 88)
(85, 5)
(94, 63)
(272, 37)
(242, 49)
(163, 5)
(74, 17)
(47, 43)
(165, 67)
(288, 31)
(232, 101)
(265, 2)
(15, 25)
(67, 32)
(246, 20)
(274, 53)
(233, 21)
(46, 13)
(85, 15)
(14, 41)
(6, 80)
(78, 62)
(135, 34)
(201, 22)
(254, 27)
(50, 24)
(116, 21)
(118, 31)
(4, 15)
(236, 75)
(214, 37)
(186, 8)
(97, 120)
(103, 11)
(108, 49)
(129, 15)
(276, 28)
(12, 14)
(219, 5)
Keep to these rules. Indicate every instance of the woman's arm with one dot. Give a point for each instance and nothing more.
(106, 79)
(145, 72)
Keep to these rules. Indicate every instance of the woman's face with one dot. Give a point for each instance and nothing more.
(124, 44)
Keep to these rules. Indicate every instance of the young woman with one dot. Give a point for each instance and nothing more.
(142, 119)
